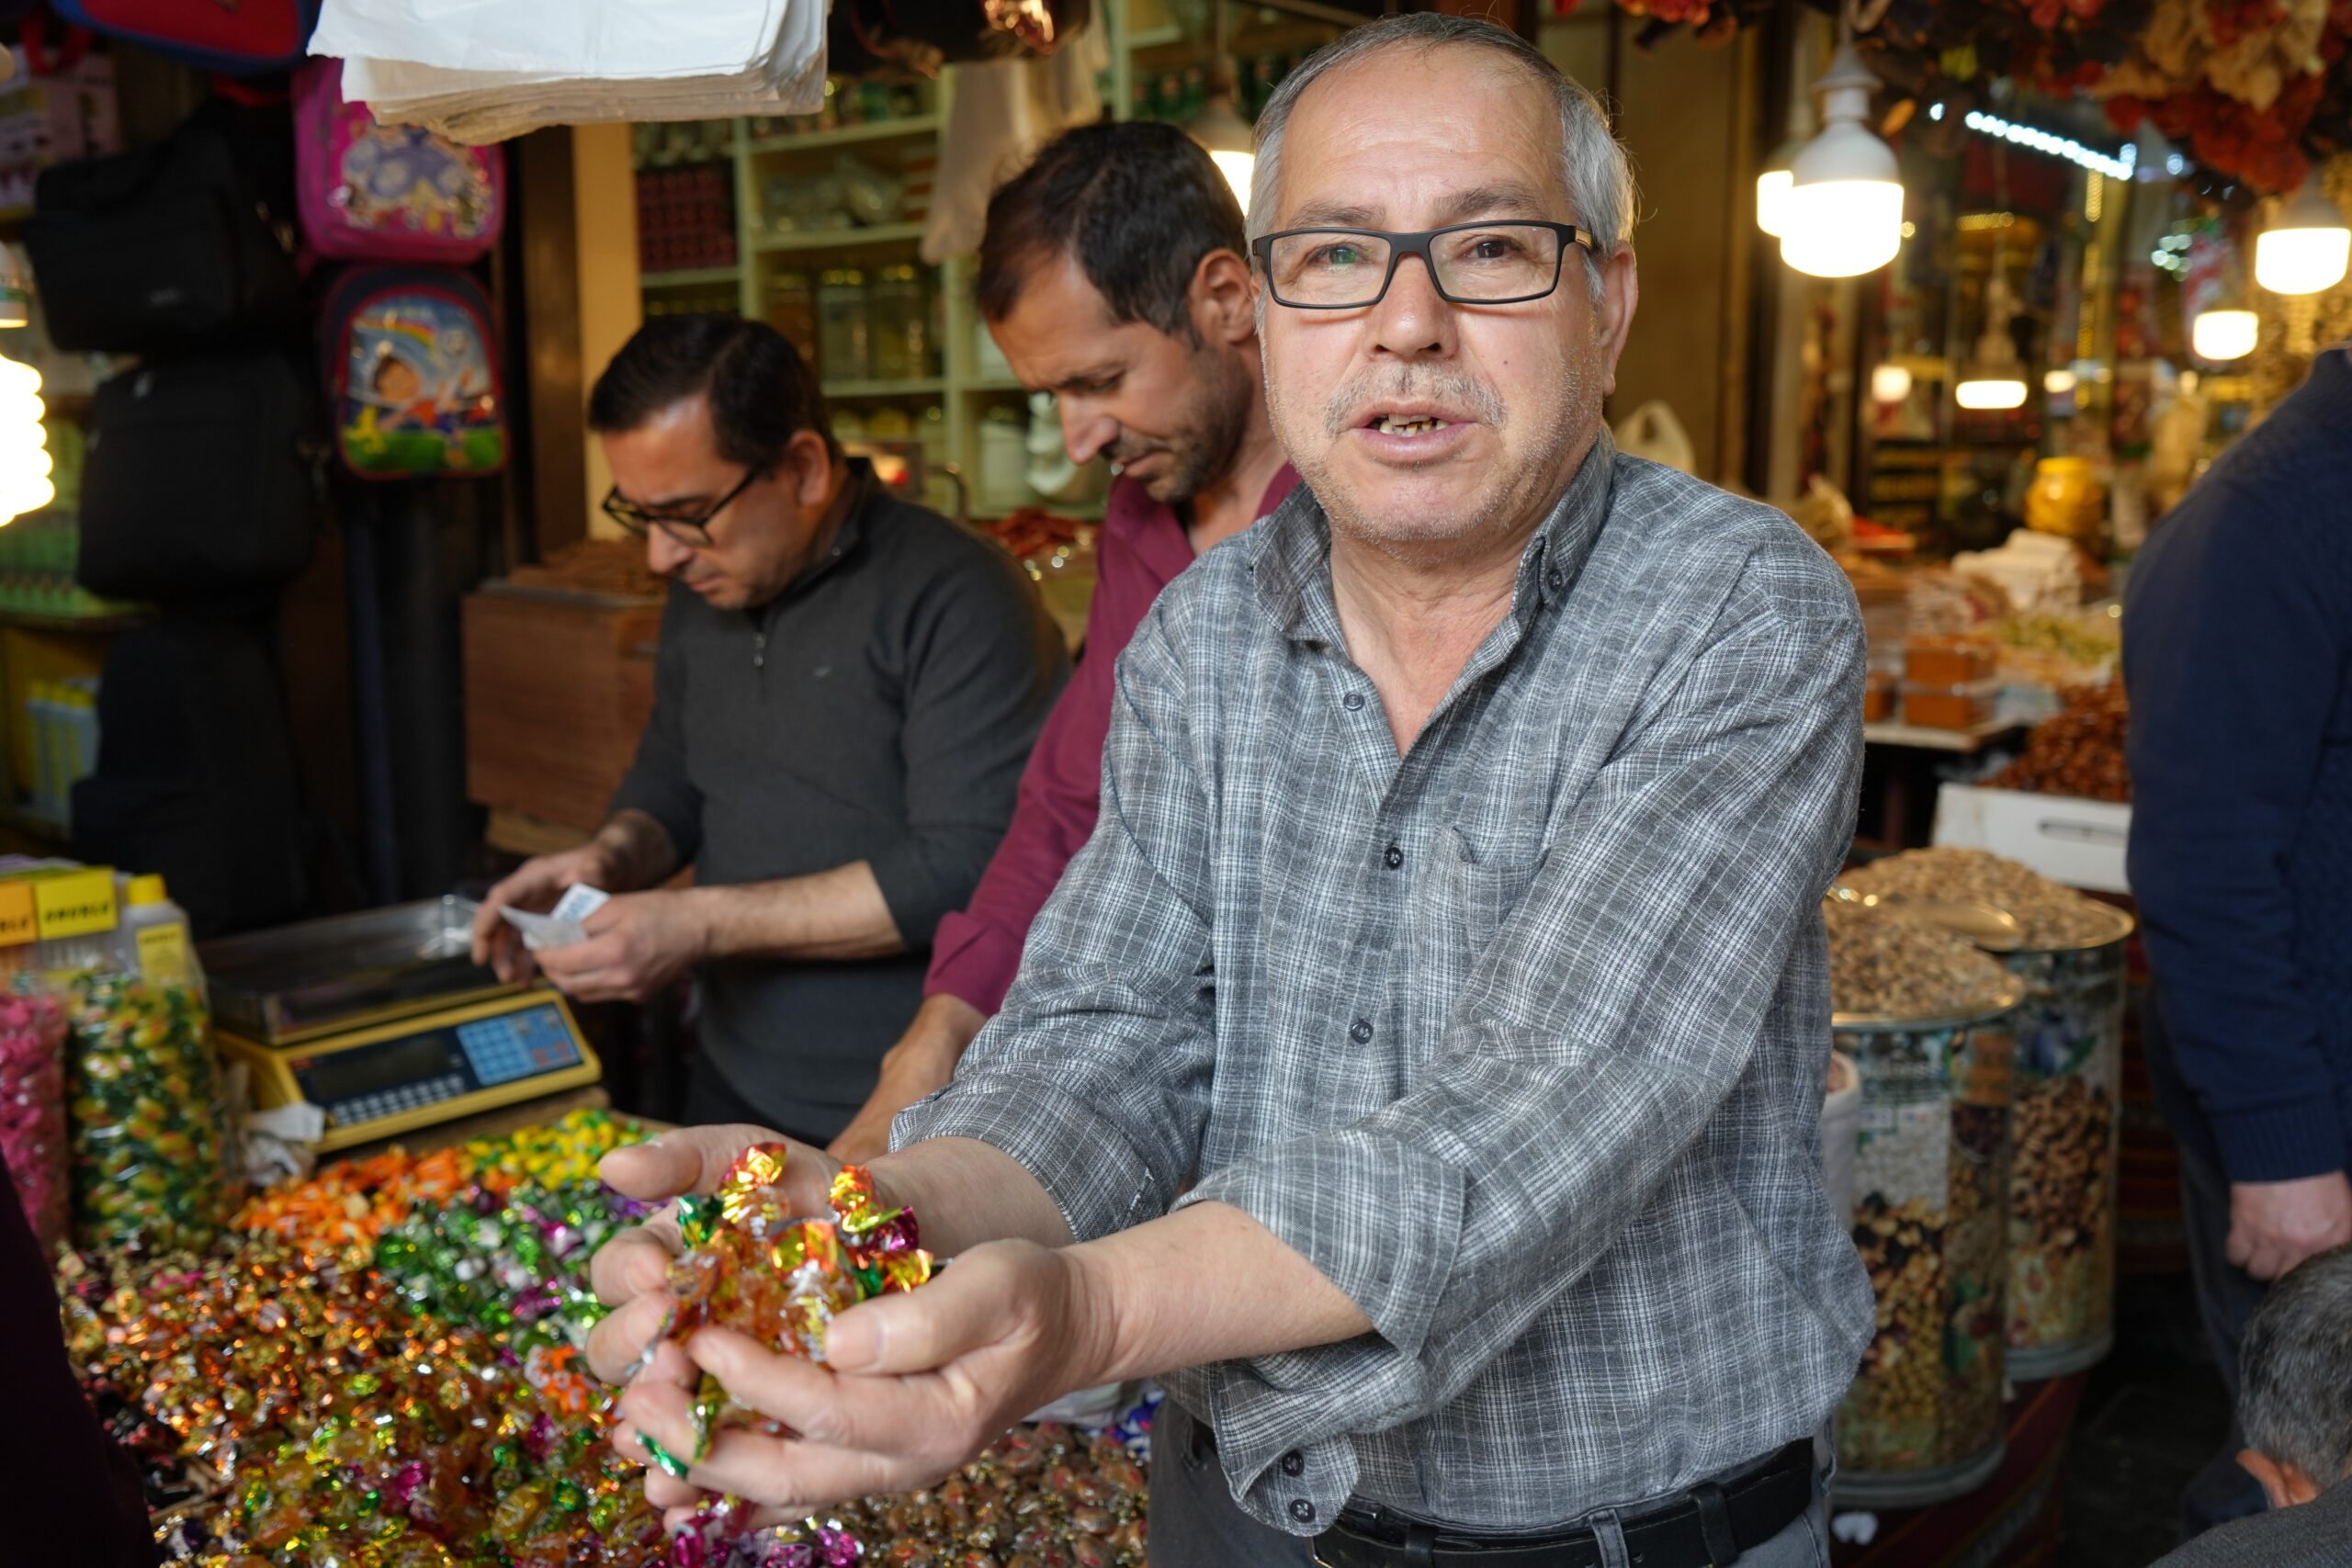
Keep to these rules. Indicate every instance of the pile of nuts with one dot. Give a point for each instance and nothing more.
(2061, 1209)
(2048, 915)
(2078, 752)
(1886, 963)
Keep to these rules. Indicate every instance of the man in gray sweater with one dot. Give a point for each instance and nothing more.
(2295, 1403)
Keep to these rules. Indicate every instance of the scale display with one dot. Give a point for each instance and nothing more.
(408, 1076)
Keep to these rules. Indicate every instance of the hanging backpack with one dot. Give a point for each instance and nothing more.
(200, 478)
(412, 372)
(244, 38)
(182, 246)
(388, 192)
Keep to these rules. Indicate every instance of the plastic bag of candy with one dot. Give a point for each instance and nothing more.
(147, 1158)
(33, 1105)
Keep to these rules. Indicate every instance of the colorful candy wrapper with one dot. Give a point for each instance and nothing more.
(781, 1278)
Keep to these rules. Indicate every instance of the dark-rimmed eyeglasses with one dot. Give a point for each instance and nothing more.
(692, 532)
(1470, 264)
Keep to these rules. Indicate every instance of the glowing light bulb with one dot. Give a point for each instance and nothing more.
(2306, 248)
(2219, 336)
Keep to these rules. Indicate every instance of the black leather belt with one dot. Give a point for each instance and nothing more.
(1707, 1526)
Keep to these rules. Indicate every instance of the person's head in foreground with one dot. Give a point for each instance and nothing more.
(723, 460)
(2295, 1382)
(1439, 331)
(1142, 330)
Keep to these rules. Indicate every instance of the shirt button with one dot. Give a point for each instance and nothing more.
(1294, 1463)
(1556, 579)
(1302, 1510)
(1395, 857)
(1360, 1033)
(1352, 701)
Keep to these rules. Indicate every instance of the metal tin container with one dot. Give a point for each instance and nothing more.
(301, 981)
(1922, 1422)
(2064, 1135)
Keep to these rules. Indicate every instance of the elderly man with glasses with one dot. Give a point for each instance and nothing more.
(1420, 1067)
(847, 688)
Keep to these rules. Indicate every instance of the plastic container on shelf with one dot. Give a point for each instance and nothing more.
(1962, 708)
(791, 311)
(2065, 1135)
(1878, 697)
(1922, 1422)
(899, 332)
(843, 347)
(153, 934)
(1949, 661)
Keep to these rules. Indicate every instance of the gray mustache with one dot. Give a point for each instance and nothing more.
(1456, 391)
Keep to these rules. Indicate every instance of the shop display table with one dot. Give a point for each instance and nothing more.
(2012, 1521)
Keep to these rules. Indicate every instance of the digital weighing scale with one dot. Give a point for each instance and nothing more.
(383, 1021)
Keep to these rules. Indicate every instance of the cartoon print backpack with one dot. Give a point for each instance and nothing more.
(245, 39)
(388, 192)
(411, 372)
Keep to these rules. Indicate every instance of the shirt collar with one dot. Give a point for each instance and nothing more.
(1291, 554)
(863, 492)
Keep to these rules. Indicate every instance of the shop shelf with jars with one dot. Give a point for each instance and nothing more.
(922, 127)
(842, 238)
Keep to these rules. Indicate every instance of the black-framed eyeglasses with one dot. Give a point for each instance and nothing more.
(1506, 262)
(692, 532)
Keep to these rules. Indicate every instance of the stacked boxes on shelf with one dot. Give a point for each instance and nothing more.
(685, 218)
(64, 716)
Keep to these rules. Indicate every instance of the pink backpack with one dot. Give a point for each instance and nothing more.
(388, 192)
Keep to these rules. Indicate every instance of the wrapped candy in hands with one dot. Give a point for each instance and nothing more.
(778, 1278)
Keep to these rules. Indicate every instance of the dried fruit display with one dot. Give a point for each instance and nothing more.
(2078, 750)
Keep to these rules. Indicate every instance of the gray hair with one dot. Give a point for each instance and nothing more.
(2295, 1369)
(1598, 177)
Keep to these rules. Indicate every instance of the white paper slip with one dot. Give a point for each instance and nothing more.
(565, 925)
(579, 902)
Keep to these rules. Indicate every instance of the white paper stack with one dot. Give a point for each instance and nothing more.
(481, 70)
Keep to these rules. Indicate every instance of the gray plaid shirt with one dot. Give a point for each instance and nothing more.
(1520, 1038)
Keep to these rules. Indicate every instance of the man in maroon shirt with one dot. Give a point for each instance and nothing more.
(1112, 274)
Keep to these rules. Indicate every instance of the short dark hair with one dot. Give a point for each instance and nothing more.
(1138, 203)
(2295, 1369)
(762, 392)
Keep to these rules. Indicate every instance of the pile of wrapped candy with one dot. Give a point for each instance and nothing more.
(382, 1366)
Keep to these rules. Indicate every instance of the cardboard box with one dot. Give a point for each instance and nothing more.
(2078, 843)
(558, 689)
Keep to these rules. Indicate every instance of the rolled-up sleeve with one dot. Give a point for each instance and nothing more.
(1602, 1030)
(983, 665)
(658, 783)
(1095, 1074)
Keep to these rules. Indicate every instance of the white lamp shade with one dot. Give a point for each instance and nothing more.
(2219, 336)
(1990, 392)
(1842, 228)
(2301, 260)
(1773, 200)
(1891, 383)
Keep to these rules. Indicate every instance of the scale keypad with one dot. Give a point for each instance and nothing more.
(374, 1107)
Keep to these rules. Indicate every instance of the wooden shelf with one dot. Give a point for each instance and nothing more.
(93, 626)
(1920, 738)
(845, 135)
(918, 387)
(842, 238)
(15, 817)
(688, 277)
